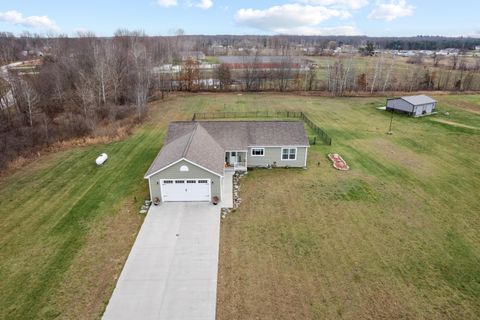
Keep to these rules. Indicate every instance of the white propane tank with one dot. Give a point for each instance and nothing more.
(101, 159)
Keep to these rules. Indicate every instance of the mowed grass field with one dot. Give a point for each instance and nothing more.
(395, 237)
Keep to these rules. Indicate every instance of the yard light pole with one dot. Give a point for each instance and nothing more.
(391, 120)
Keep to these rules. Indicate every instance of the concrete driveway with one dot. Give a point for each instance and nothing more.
(171, 272)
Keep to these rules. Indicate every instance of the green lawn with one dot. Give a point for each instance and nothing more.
(396, 237)
(66, 227)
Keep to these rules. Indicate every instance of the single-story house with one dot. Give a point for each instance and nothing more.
(196, 154)
(413, 105)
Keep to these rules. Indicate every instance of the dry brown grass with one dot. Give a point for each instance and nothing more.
(387, 151)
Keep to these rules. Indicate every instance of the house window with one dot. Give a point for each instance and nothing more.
(289, 154)
(202, 181)
(179, 181)
(258, 152)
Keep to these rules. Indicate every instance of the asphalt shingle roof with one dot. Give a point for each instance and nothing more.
(205, 142)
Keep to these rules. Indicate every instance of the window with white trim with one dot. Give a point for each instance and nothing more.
(258, 152)
(289, 153)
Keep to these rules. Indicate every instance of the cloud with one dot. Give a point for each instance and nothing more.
(473, 34)
(349, 4)
(167, 3)
(204, 4)
(317, 31)
(36, 22)
(391, 11)
(287, 17)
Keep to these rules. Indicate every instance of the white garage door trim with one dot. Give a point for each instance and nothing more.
(185, 190)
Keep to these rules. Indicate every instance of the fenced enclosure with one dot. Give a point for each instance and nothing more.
(250, 114)
(319, 132)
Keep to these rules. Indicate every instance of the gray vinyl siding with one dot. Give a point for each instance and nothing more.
(174, 172)
(399, 104)
(273, 154)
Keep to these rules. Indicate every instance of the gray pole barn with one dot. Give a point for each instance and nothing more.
(413, 105)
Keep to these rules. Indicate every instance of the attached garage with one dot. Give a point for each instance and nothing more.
(189, 167)
(185, 181)
(185, 190)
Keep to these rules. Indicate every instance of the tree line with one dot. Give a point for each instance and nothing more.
(79, 87)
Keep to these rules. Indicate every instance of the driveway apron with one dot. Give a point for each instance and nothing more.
(171, 271)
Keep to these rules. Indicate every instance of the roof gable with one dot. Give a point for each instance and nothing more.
(205, 151)
(194, 144)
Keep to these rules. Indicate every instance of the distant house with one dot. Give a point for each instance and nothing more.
(196, 154)
(195, 55)
(413, 105)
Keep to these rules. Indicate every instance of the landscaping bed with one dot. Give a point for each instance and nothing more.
(338, 162)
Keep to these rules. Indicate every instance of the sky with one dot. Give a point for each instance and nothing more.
(305, 17)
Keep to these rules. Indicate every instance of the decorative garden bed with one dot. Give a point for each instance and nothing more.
(338, 162)
(236, 193)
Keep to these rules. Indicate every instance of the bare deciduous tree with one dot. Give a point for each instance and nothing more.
(224, 76)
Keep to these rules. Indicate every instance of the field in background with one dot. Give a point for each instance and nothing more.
(400, 72)
(398, 236)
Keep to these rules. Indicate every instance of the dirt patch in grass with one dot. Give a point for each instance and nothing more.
(456, 124)
(87, 285)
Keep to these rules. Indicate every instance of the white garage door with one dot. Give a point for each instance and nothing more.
(185, 189)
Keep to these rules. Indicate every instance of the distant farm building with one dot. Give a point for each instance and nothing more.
(262, 62)
(413, 105)
(192, 55)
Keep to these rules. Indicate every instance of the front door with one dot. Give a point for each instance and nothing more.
(233, 157)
